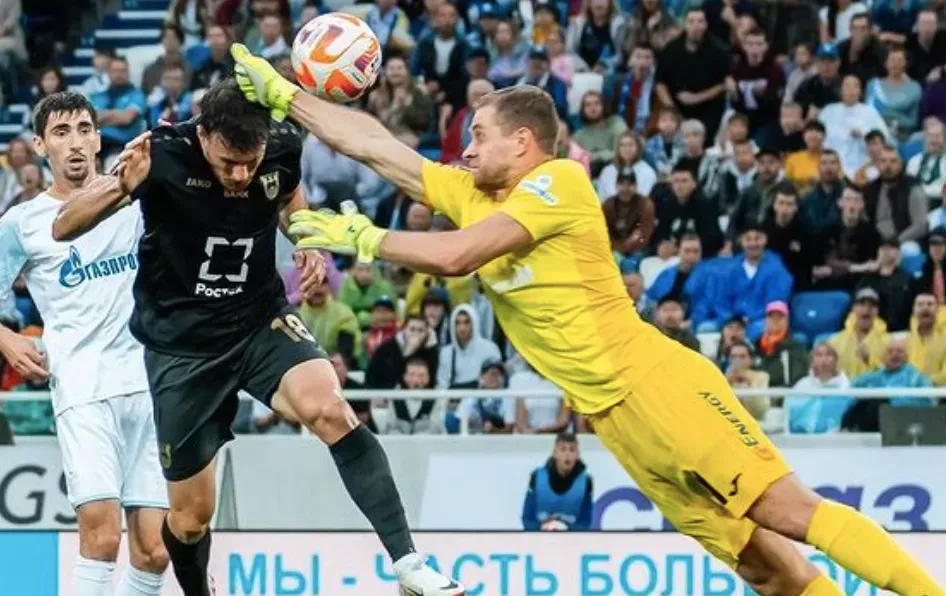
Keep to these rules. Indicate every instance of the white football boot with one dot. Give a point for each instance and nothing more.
(417, 579)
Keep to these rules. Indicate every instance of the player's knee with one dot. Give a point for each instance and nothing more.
(319, 412)
(100, 542)
(786, 508)
(192, 522)
(150, 556)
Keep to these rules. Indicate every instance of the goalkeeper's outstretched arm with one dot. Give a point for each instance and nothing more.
(363, 138)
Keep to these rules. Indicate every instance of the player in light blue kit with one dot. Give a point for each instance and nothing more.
(104, 420)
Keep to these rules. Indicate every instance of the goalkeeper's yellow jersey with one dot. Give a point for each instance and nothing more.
(561, 301)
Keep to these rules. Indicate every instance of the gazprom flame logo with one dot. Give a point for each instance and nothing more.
(74, 272)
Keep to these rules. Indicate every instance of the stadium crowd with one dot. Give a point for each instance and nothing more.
(771, 174)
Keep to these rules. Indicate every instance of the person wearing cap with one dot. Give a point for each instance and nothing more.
(849, 248)
(462, 359)
(362, 287)
(753, 280)
(790, 238)
(538, 75)
(483, 18)
(756, 200)
(440, 59)
(847, 123)
(825, 87)
(779, 353)
(383, 325)
(860, 345)
(926, 344)
(801, 167)
(688, 210)
(889, 282)
(486, 415)
(629, 216)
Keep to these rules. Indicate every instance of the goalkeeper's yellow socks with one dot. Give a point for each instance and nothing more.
(822, 586)
(861, 546)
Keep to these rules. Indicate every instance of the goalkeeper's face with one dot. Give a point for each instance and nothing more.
(491, 152)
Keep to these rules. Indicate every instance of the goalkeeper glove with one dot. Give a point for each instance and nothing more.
(347, 233)
(260, 82)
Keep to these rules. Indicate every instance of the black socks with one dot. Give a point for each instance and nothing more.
(367, 475)
(190, 561)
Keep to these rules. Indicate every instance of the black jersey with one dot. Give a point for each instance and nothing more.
(207, 266)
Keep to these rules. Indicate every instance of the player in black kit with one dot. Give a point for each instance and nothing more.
(211, 311)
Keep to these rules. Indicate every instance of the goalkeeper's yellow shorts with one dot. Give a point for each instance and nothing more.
(694, 450)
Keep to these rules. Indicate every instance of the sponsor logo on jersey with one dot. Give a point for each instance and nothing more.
(540, 187)
(520, 277)
(236, 194)
(74, 272)
(199, 183)
(270, 184)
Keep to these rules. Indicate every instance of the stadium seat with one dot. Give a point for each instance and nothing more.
(583, 82)
(816, 313)
(709, 343)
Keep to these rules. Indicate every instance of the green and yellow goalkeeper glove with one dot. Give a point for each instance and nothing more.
(346, 233)
(260, 82)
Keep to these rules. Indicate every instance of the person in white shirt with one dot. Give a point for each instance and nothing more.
(83, 290)
(847, 122)
(929, 167)
(836, 19)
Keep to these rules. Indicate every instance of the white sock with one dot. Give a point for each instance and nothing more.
(139, 583)
(92, 578)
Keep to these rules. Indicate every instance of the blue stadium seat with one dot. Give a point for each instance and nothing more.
(815, 313)
(913, 264)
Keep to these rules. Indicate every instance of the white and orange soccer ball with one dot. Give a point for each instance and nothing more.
(336, 56)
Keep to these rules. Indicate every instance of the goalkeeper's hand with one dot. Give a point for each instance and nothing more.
(346, 233)
(260, 82)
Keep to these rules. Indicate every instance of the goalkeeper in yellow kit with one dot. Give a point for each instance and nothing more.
(532, 227)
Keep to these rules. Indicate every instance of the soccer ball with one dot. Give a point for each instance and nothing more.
(336, 56)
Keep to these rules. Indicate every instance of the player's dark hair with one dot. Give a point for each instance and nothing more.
(64, 101)
(525, 106)
(566, 437)
(241, 124)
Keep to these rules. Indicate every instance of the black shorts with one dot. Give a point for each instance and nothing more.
(195, 399)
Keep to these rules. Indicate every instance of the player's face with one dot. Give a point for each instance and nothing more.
(234, 169)
(565, 456)
(70, 143)
(490, 152)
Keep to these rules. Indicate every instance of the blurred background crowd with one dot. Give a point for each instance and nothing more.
(771, 173)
